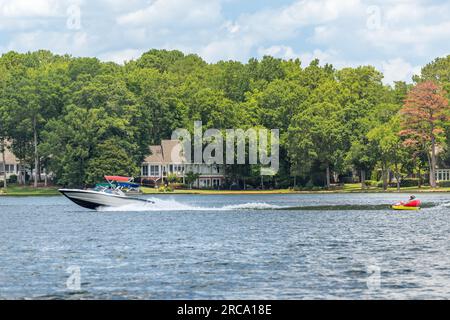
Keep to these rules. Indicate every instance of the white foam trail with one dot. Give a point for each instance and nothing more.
(253, 205)
(172, 205)
(443, 205)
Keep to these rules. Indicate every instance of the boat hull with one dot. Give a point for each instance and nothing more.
(94, 199)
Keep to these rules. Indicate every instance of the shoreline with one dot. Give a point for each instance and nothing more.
(282, 192)
(53, 191)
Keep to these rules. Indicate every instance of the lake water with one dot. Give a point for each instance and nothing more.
(226, 247)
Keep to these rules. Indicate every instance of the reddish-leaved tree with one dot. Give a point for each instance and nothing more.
(424, 111)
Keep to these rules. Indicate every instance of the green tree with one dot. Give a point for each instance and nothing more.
(172, 178)
(317, 133)
(3, 120)
(437, 71)
(191, 177)
(388, 148)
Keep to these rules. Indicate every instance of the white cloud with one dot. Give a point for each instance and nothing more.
(287, 21)
(29, 8)
(121, 56)
(170, 13)
(20, 15)
(120, 6)
(284, 52)
(409, 34)
(398, 70)
(77, 43)
(325, 33)
(416, 27)
(232, 27)
(227, 49)
(329, 56)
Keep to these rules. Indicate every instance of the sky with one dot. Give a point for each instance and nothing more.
(398, 37)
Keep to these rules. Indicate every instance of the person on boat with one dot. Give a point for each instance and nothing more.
(412, 197)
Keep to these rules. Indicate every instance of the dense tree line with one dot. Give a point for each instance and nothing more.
(80, 118)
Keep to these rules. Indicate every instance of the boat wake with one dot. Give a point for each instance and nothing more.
(252, 206)
(172, 205)
(156, 204)
(443, 205)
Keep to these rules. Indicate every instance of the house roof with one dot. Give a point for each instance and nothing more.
(170, 151)
(10, 158)
(155, 156)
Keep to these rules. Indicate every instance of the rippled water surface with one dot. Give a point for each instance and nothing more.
(227, 247)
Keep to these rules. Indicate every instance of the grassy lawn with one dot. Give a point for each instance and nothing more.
(196, 191)
(15, 190)
(348, 188)
(356, 187)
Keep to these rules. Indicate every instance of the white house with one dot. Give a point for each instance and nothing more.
(11, 165)
(168, 158)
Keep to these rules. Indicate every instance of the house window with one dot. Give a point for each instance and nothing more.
(7, 168)
(145, 171)
(154, 171)
(177, 168)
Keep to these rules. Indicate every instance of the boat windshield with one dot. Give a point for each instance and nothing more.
(109, 190)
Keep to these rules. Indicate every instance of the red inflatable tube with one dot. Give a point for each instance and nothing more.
(413, 203)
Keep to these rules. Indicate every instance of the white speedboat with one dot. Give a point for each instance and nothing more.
(109, 194)
(92, 199)
(102, 197)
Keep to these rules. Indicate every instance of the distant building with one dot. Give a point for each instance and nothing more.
(11, 165)
(168, 158)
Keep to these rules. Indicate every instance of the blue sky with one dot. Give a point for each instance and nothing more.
(396, 36)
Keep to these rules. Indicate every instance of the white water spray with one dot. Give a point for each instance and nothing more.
(172, 205)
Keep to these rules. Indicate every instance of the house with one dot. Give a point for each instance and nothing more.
(11, 165)
(168, 158)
